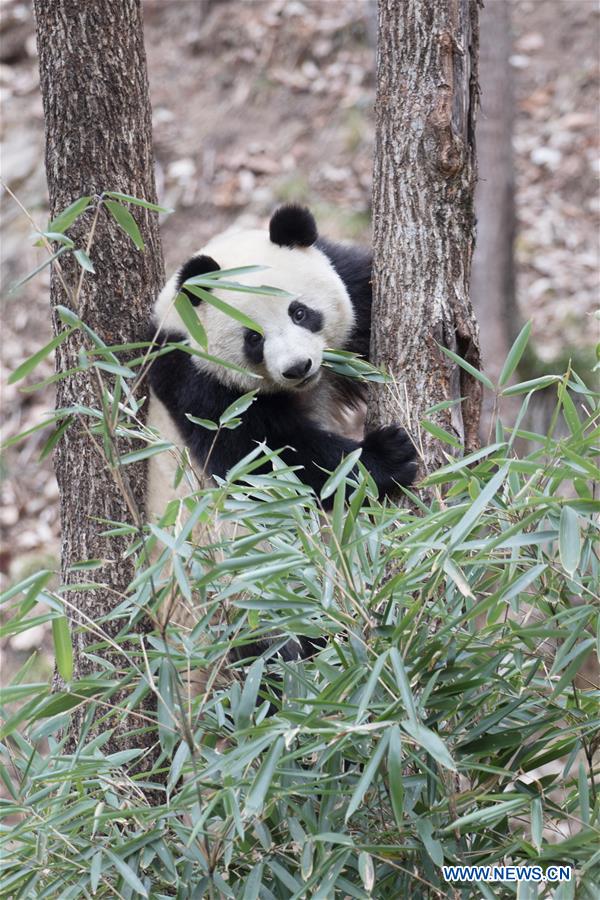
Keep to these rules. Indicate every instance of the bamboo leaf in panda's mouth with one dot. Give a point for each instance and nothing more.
(342, 362)
(223, 306)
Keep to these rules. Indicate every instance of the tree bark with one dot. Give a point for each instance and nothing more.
(98, 137)
(493, 274)
(424, 182)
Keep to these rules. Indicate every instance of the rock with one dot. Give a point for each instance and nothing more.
(546, 156)
(29, 639)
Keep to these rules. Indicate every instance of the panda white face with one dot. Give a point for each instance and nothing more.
(297, 328)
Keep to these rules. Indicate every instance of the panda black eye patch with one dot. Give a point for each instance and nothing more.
(304, 316)
(253, 346)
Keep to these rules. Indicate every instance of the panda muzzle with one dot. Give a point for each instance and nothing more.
(298, 370)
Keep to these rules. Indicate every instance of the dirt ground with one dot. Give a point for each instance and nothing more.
(261, 101)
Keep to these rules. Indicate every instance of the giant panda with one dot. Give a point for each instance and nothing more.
(300, 406)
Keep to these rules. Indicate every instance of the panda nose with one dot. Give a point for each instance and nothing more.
(298, 370)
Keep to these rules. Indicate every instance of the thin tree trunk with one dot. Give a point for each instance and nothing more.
(98, 137)
(424, 182)
(493, 275)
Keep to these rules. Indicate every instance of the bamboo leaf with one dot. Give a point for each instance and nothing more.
(456, 575)
(48, 261)
(54, 438)
(136, 201)
(291, 883)
(431, 742)
(95, 871)
(367, 776)
(63, 648)
(224, 307)
(17, 438)
(515, 353)
(255, 800)
(238, 407)
(477, 507)
(479, 376)
(84, 261)
(337, 477)
(438, 432)
(433, 846)
(488, 814)
(366, 870)
(145, 453)
(216, 280)
(188, 316)
(520, 584)
(536, 384)
(537, 823)
(396, 775)
(403, 684)
(125, 221)
(253, 883)
(55, 236)
(370, 685)
(204, 423)
(181, 756)
(440, 474)
(72, 212)
(307, 860)
(573, 663)
(33, 361)
(569, 539)
(229, 273)
(247, 702)
(194, 351)
(584, 793)
(32, 584)
(166, 733)
(127, 873)
(353, 366)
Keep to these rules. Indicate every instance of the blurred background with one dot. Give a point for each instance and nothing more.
(258, 102)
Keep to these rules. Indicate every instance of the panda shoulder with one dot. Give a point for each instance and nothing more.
(352, 263)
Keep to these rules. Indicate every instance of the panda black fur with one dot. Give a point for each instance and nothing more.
(299, 405)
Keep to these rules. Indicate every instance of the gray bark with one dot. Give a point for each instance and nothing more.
(98, 137)
(424, 181)
(493, 275)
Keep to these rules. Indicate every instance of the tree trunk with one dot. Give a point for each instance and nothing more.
(493, 275)
(98, 137)
(424, 181)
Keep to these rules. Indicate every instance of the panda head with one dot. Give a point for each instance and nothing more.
(297, 328)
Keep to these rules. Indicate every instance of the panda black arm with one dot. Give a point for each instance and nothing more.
(183, 388)
(275, 418)
(353, 265)
(387, 454)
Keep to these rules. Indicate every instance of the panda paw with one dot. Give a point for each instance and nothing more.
(390, 457)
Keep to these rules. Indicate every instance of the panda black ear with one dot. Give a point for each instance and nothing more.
(197, 265)
(293, 226)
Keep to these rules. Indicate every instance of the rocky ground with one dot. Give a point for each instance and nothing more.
(556, 143)
(266, 101)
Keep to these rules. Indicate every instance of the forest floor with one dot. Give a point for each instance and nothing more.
(261, 102)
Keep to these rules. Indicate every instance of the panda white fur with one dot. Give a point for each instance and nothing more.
(300, 405)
